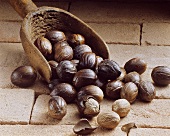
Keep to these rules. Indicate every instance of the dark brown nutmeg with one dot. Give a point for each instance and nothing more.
(57, 107)
(63, 53)
(161, 75)
(66, 91)
(147, 91)
(132, 77)
(66, 71)
(55, 36)
(53, 64)
(75, 40)
(113, 89)
(43, 45)
(135, 64)
(87, 61)
(79, 50)
(129, 92)
(84, 77)
(88, 106)
(83, 127)
(91, 90)
(53, 83)
(108, 70)
(23, 76)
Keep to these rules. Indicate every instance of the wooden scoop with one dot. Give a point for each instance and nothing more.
(38, 21)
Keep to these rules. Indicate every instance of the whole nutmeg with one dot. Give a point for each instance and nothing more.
(91, 90)
(79, 50)
(55, 36)
(88, 106)
(161, 75)
(53, 64)
(66, 71)
(129, 92)
(121, 107)
(75, 40)
(57, 107)
(66, 91)
(84, 77)
(23, 76)
(113, 89)
(87, 61)
(44, 45)
(147, 91)
(109, 120)
(122, 75)
(132, 77)
(135, 64)
(108, 70)
(63, 53)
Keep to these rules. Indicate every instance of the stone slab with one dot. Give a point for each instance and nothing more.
(121, 11)
(153, 55)
(145, 115)
(119, 33)
(16, 105)
(51, 130)
(10, 31)
(149, 132)
(156, 34)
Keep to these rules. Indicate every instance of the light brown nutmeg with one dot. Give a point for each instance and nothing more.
(132, 77)
(57, 107)
(108, 120)
(121, 107)
(129, 92)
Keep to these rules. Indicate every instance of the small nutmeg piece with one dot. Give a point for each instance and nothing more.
(75, 40)
(91, 90)
(55, 36)
(113, 89)
(129, 92)
(135, 64)
(44, 45)
(62, 53)
(132, 77)
(147, 91)
(66, 71)
(88, 106)
(79, 50)
(66, 91)
(121, 107)
(161, 75)
(108, 70)
(24, 76)
(57, 107)
(84, 77)
(109, 120)
(87, 60)
(83, 127)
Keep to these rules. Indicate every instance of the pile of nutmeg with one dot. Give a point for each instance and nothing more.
(79, 76)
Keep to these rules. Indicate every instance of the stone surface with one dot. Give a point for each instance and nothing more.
(51, 130)
(153, 55)
(10, 31)
(16, 105)
(156, 34)
(146, 115)
(149, 132)
(121, 12)
(118, 33)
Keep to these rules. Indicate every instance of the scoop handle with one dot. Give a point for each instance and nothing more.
(23, 7)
